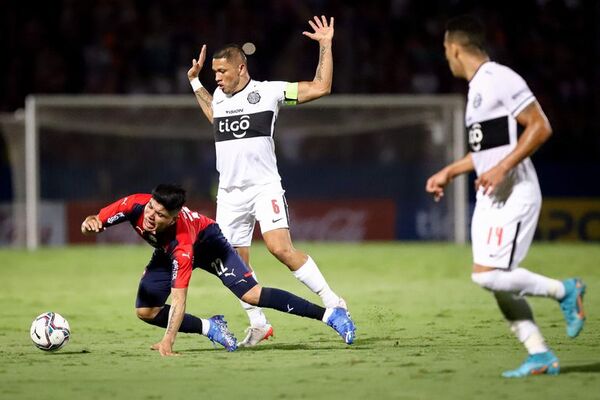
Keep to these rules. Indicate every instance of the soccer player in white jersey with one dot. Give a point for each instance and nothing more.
(505, 125)
(243, 113)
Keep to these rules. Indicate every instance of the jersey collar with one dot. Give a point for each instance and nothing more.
(479, 69)
(242, 89)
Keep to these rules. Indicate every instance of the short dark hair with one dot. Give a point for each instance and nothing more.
(231, 51)
(170, 196)
(468, 31)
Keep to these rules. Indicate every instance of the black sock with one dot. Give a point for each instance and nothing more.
(190, 324)
(289, 303)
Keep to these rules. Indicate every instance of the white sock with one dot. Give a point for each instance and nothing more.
(205, 326)
(328, 312)
(521, 282)
(529, 334)
(311, 276)
(257, 317)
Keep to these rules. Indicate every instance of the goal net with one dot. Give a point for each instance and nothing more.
(354, 167)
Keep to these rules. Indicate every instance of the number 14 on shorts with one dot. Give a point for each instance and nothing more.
(495, 235)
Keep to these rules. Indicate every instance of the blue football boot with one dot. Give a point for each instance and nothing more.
(218, 332)
(342, 323)
(536, 364)
(572, 306)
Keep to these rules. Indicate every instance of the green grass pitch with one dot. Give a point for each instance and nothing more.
(424, 330)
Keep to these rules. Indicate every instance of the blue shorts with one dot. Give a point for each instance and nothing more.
(212, 253)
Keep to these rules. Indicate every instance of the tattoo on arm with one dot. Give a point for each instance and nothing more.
(173, 312)
(204, 97)
(319, 76)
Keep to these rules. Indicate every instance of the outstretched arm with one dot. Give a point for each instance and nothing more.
(437, 182)
(91, 225)
(537, 131)
(321, 85)
(176, 314)
(202, 96)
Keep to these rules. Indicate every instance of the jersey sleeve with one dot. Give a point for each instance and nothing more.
(120, 210)
(286, 92)
(182, 266)
(514, 92)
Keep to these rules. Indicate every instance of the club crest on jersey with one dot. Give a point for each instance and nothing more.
(477, 101)
(253, 97)
(475, 137)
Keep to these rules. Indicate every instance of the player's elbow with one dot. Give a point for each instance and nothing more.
(545, 130)
(326, 90)
(321, 89)
(548, 131)
(542, 125)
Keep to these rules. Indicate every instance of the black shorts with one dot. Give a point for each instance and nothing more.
(212, 253)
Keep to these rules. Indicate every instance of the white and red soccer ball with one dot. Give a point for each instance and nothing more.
(50, 331)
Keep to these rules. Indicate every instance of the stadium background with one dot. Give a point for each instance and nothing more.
(134, 47)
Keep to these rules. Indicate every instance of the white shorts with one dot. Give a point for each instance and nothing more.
(501, 234)
(238, 210)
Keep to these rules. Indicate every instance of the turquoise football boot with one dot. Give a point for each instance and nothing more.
(572, 306)
(536, 364)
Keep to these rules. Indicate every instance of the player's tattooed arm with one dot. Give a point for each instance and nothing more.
(176, 314)
(203, 97)
(322, 50)
(205, 101)
(321, 84)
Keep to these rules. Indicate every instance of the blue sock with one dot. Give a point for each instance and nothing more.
(289, 303)
(190, 324)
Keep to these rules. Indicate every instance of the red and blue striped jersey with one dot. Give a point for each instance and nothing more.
(176, 241)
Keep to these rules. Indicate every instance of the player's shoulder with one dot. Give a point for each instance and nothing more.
(136, 198)
(269, 85)
(499, 72)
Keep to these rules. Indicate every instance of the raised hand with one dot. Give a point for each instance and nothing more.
(322, 30)
(197, 65)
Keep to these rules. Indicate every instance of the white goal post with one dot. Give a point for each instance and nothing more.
(359, 119)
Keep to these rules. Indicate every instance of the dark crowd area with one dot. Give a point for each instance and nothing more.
(393, 46)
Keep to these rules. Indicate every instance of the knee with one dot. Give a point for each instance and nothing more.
(484, 279)
(252, 296)
(282, 252)
(146, 314)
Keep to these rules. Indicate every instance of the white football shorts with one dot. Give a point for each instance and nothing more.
(238, 210)
(502, 233)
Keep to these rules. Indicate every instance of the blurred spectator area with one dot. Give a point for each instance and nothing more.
(394, 46)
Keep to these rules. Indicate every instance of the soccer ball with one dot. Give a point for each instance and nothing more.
(50, 331)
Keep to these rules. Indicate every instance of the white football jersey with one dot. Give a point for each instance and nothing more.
(243, 127)
(496, 96)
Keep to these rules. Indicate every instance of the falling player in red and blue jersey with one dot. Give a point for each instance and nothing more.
(183, 240)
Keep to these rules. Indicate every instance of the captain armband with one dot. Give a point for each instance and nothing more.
(291, 94)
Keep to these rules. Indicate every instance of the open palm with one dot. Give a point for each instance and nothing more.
(323, 31)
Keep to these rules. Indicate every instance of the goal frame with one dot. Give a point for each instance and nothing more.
(452, 108)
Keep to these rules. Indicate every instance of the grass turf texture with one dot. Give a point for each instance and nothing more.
(424, 330)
